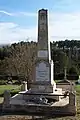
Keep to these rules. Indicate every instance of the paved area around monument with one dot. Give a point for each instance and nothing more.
(62, 102)
(18, 100)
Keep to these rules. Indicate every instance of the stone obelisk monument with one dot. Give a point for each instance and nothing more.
(43, 72)
(43, 42)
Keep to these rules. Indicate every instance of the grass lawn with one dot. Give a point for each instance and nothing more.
(77, 87)
(12, 88)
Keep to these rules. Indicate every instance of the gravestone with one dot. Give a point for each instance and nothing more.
(44, 68)
(7, 97)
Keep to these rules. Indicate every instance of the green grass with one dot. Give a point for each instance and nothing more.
(77, 87)
(12, 88)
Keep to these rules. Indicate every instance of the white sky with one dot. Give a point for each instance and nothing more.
(61, 26)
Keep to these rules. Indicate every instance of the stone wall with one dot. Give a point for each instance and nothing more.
(65, 86)
(44, 110)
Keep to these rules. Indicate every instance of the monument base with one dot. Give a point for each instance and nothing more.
(44, 88)
(38, 104)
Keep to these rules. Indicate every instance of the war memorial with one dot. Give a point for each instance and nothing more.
(45, 96)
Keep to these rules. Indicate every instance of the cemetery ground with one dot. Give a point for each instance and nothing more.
(12, 88)
(16, 88)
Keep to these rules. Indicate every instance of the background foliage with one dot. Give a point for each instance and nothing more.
(17, 59)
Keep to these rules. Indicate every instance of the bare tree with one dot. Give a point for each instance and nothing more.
(22, 59)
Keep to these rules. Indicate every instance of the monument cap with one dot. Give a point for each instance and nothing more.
(42, 10)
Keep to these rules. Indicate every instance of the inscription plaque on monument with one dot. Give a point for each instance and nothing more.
(42, 72)
(43, 53)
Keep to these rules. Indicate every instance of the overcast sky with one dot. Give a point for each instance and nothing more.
(18, 19)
